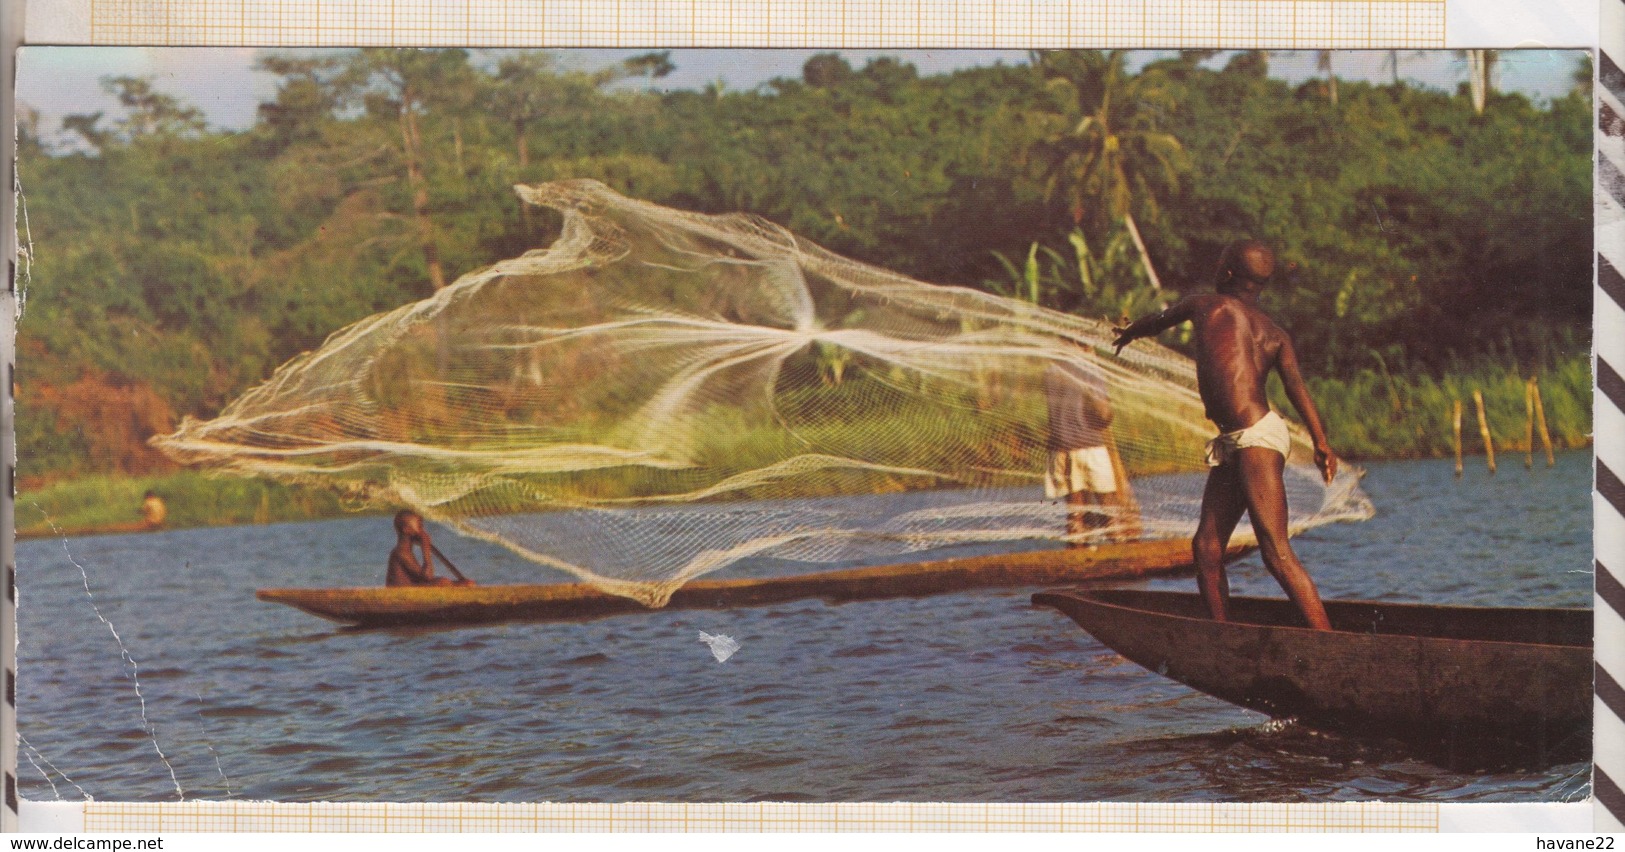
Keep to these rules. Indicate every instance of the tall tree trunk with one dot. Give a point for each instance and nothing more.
(524, 160)
(1324, 61)
(420, 191)
(1145, 257)
(1478, 78)
(457, 147)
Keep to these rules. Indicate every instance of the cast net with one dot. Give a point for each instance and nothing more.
(662, 394)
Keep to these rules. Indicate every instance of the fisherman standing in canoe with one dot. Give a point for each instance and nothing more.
(1237, 345)
(404, 567)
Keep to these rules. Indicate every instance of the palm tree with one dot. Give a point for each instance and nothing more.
(1110, 156)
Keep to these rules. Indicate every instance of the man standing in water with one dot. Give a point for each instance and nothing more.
(153, 511)
(1082, 467)
(404, 567)
(1237, 346)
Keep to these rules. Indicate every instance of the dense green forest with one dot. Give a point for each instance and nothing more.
(171, 266)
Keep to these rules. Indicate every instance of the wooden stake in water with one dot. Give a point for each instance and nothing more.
(1484, 430)
(1458, 437)
(1529, 425)
(1540, 422)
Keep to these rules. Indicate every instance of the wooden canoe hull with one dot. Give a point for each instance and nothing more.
(106, 529)
(1475, 683)
(458, 605)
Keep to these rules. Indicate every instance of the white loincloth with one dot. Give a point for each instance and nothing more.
(1270, 431)
(1087, 469)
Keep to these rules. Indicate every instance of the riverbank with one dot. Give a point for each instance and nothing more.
(1373, 415)
(1378, 415)
(101, 503)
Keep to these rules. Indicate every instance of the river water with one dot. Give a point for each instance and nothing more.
(147, 671)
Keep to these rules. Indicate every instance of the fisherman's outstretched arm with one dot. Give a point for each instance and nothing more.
(1156, 323)
(1298, 393)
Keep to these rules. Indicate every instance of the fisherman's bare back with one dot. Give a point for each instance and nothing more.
(1238, 346)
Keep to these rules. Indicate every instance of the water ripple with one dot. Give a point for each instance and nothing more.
(969, 697)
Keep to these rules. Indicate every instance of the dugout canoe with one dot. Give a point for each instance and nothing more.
(105, 529)
(1471, 683)
(439, 606)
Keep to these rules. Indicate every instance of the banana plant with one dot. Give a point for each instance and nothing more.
(1110, 285)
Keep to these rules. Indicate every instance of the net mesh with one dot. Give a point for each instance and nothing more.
(661, 394)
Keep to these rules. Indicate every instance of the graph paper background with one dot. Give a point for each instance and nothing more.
(639, 817)
(771, 23)
(746, 23)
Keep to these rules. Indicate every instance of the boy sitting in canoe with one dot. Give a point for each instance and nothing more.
(1237, 345)
(404, 567)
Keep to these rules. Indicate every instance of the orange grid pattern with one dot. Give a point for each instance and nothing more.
(775, 23)
(764, 817)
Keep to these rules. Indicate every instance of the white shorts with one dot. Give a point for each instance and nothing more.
(1071, 471)
(1270, 431)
